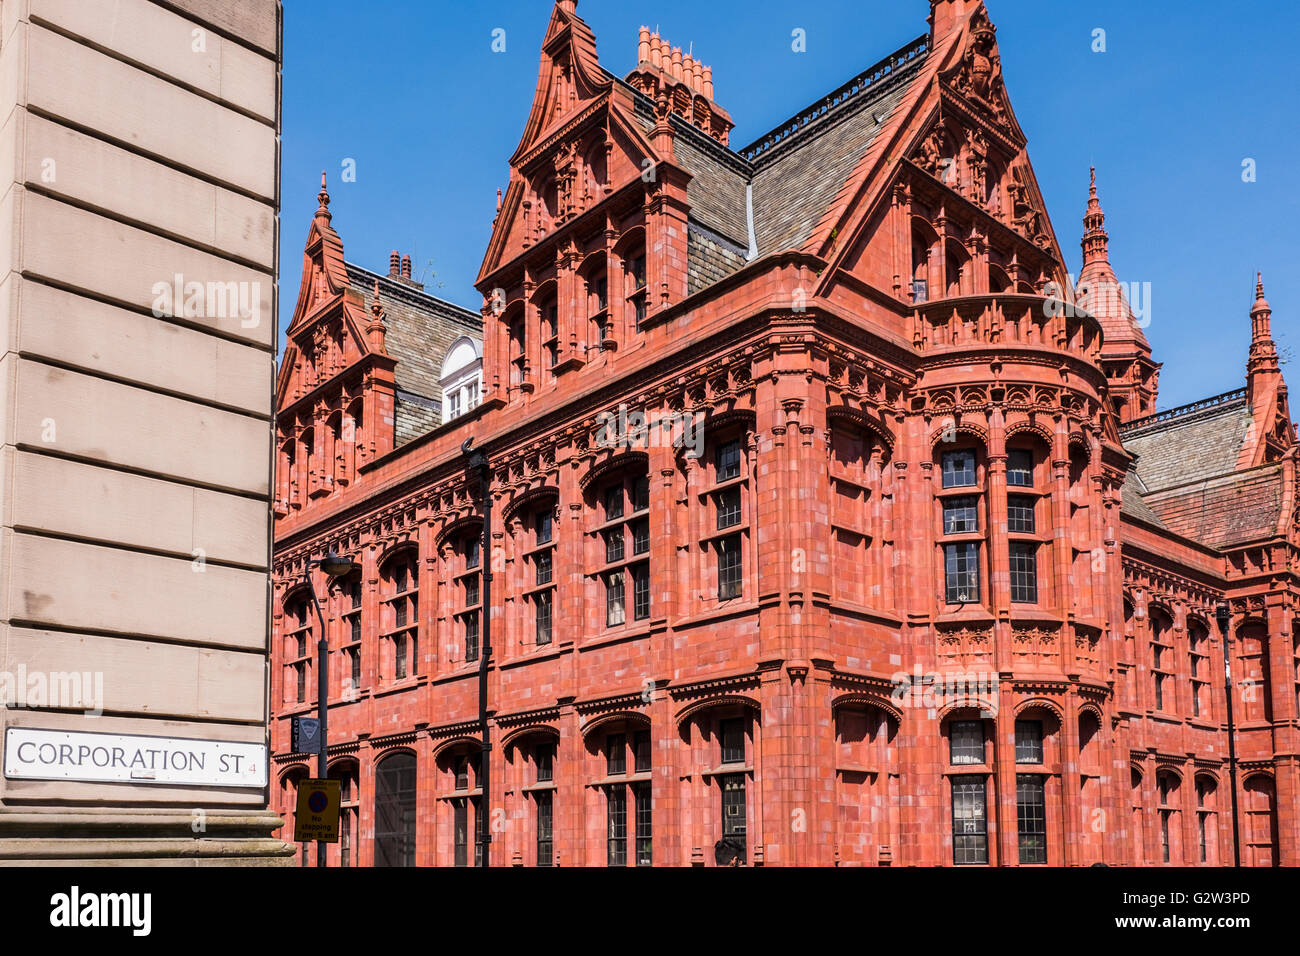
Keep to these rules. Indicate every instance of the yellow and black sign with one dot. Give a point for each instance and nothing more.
(318, 811)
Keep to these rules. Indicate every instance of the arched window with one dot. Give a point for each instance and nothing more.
(1198, 669)
(970, 765)
(466, 565)
(345, 772)
(622, 544)
(1028, 528)
(727, 494)
(309, 475)
(732, 730)
(517, 333)
(395, 820)
(963, 522)
(1207, 819)
(459, 795)
(1164, 697)
(539, 542)
(595, 176)
(400, 615)
(333, 457)
(1081, 534)
(1252, 673)
(354, 438)
(549, 194)
(287, 478)
(1037, 786)
(861, 515)
(350, 636)
(635, 291)
(1129, 656)
(1167, 794)
(461, 371)
(299, 619)
(957, 261)
(621, 751)
(595, 280)
(1260, 810)
(531, 762)
(547, 309)
(866, 782)
(1091, 792)
(924, 242)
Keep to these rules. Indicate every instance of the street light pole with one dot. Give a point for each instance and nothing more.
(478, 462)
(1222, 615)
(334, 567)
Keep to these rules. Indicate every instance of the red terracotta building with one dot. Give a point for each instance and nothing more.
(905, 570)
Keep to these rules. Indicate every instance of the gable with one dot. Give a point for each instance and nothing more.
(955, 129)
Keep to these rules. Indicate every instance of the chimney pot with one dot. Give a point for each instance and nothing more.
(406, 267)
(708, 82)
(394, 261)
(643, 45)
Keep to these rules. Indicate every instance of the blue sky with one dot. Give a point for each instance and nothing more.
(1184, 93)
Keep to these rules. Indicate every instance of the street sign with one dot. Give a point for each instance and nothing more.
(305, 735)
(32, 753)
(317, 817)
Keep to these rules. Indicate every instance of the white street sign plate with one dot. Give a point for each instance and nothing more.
(32, 754)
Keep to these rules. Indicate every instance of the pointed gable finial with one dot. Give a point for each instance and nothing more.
(1263, 353)
(1095, 241)
(323, 197)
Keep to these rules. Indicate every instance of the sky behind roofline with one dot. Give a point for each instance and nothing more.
(1183, 94)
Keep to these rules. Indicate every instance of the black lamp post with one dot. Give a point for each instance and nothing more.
(476, 461)
(335, 567)
(1222, 616)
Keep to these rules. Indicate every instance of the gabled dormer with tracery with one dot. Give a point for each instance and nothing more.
(362, 371)
(335, 391)
(590, 240)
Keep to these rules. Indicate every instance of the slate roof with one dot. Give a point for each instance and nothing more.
(1226, 510)
(1132, 503)
(1186, 473)
(798, 182)
(796, 171)
(1189, 443)
(421, 328)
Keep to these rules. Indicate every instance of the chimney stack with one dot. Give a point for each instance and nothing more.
(664, 70)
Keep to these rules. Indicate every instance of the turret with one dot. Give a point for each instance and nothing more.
(1125, 351)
